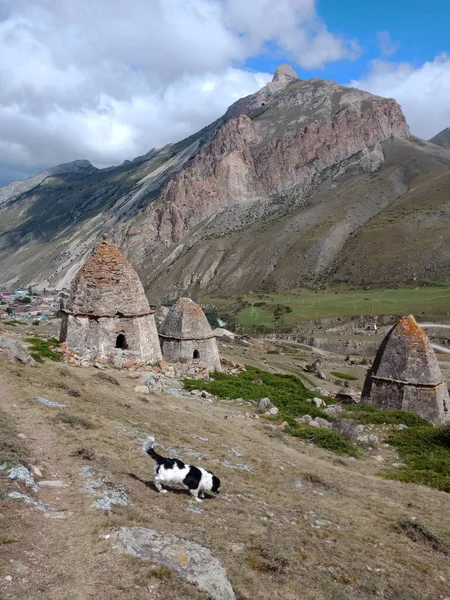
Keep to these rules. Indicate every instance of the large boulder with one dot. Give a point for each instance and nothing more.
(12, 350)
(190, 561)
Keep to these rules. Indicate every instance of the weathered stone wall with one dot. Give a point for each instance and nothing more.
(183, 351)
(96, 337)
(107, 285)
(432, 403)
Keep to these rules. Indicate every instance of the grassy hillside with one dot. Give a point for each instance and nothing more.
(276, 310)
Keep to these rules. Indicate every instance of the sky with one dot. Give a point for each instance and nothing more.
(107, 80)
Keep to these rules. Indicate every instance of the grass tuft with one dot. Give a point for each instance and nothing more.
(345, 376)
(74, 420)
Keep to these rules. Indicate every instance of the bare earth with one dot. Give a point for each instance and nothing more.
(292, 520)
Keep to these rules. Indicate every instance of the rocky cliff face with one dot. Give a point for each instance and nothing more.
(275, 142)
(287, 188)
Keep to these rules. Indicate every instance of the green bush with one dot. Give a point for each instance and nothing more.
(325, 438)
(426, 454)
(287, 392)
(345, 376)
(40, 349)
(370, 415)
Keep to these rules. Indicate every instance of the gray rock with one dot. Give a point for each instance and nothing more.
(318, 402)
(12, 350)
(400, 427)
(21, 473)
(321, 375)
(151, 381)
(305, 419)
(55, 483)
(50, 403)
(273, 411)
(321, 423)
(190, 561)
(334, 411)
(368, 439)
(264, 404)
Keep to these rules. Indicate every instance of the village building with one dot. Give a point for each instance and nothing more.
(187, 337)
(406, 374)
(107, 314)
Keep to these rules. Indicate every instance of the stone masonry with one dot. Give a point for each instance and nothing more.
(406, 374)
(108, 315)
(187, 337)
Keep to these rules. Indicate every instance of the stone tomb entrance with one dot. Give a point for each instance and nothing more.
(108, 315)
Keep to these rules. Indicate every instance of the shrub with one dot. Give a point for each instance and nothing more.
(345, 376)
(325, 438)
(425, 451)
(40, 349)
(273, 553)
(287, 392)
(366, 415)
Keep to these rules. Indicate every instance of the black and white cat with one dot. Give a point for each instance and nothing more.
(174, 471)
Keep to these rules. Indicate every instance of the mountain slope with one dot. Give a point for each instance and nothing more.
(302, 182)
(442, 138)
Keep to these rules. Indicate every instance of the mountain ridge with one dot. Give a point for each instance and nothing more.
(279, 161)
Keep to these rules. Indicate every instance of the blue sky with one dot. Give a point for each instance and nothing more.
(156, 71)
(419, 30)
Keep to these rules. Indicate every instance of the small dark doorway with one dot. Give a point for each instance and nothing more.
(196, 354)
(121, 342)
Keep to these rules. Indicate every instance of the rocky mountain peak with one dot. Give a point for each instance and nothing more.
(284, 72)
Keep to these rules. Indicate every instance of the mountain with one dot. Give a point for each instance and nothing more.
(304, 182)
(442, 138)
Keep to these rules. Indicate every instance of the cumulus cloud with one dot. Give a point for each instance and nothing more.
(423, 92)
(107, 79)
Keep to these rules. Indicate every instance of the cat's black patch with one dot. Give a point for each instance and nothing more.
(192, 479)
(215, 484)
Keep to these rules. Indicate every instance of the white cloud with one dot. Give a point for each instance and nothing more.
(423, 92)
(107, 79)
(385, 43)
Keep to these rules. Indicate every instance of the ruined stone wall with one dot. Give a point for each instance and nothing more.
(97, 337)
(183, 351)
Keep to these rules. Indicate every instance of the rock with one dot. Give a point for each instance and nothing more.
(400, 427)
(348, 397)
(321, 375)
(141, 389)
(12, 350)
(36, 470)
(335, 410)
(321, 423)
(283, 426)
(152, 381)
(206, 394)
(264, 404)
(54, 483)
(272, 411)
(318, 402)
(22, 436)
(223, 335)
(21, 473)
(305, 419)
(197, 393)
(188, 560)
(50, 403)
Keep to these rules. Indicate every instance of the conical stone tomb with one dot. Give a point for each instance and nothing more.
(108, 315)
(406, 374)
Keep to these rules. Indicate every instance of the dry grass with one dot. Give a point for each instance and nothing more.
(299, 519)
